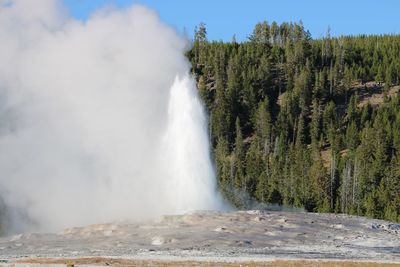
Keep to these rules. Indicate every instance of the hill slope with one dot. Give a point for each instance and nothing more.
(302, 122)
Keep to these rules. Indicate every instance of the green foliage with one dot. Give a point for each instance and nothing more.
(287, 121)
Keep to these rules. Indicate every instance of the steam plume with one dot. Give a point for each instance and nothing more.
(99, 120)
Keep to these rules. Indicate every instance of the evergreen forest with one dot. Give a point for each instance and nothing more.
(303, 122)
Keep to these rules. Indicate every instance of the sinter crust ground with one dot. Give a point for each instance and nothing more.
(241, 236)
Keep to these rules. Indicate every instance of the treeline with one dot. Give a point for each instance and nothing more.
(288, 124)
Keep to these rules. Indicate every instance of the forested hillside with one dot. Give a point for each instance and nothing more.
(302, 122)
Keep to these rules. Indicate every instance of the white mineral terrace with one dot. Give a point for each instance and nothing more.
(217, 236)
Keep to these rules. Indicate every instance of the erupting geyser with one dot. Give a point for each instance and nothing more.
(186, 150)
(99, 120)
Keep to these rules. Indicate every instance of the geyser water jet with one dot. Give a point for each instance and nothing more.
(99, 120)
(186, 150)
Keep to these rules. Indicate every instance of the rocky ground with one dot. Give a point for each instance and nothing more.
(230, 237)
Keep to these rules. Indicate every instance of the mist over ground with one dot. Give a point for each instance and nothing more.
(87, 130)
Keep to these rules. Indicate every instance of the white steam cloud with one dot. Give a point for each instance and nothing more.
(99, 120)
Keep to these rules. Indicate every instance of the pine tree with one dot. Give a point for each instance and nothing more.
(200, 40)
(222, 164)
(315, 127)
(263, 127)
(220, 113)
(320, 184)
(254, 168)
(238, 158)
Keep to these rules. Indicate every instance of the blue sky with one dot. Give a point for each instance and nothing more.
(227, 17)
